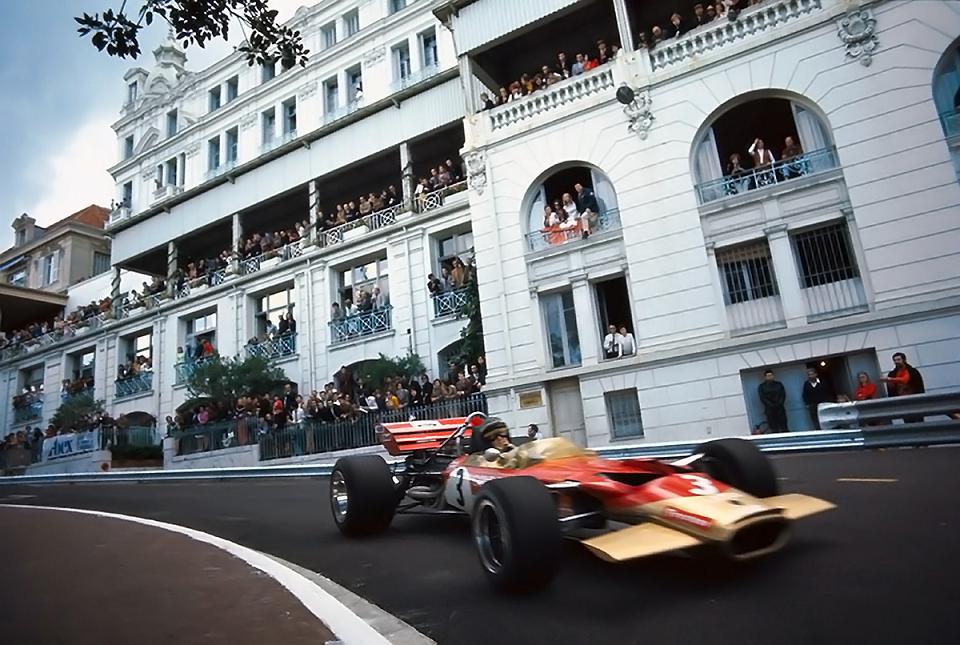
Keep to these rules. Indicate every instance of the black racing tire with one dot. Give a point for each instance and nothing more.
(363, 498)
(739, 463)
(516, 533)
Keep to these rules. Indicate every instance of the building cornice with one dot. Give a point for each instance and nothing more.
(52, 235)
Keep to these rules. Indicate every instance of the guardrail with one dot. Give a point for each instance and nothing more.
(912, 408)
(947, 432)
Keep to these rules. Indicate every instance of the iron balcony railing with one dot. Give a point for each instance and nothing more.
(449, 303)
(185, 369)
(437, 198)
(373, 221)
(211, 279)
(31, 411)
(361, 324)
(85, 393)
(608, 220)
(254, 264)
(413, 78)
(313, 437)
(133, 385)
(137, 436)
(279, 347)
(806, 164)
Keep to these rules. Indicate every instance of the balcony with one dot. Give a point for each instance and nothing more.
(721, 33)
(554, 236)
(449, 304)
(362, 324)
(221, 169)
(71, 397)
(119, 214)
(808, 164)
(30, 409)
(556, 96)
(272, 258)
(165, 192)
(341, 111)
(274, 348)
(437, 198)
(358, 228)
(186, 369)
(197, 285)
(413, 78)
(134, 385)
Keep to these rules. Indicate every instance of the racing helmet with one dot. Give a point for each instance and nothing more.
(486, 432)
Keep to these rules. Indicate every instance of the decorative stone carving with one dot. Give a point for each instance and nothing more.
(639, 113)
(559, 95)
(148, 173)
(858, 32)
(374, 56)
(476, 163)
(307, 91)
(248, 122)
(192, 150)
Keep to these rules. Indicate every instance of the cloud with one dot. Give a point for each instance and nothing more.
(76, 176)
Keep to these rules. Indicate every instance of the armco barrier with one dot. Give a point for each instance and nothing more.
(917, 434)
(859, 414)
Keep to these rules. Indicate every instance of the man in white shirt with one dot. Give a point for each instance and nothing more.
(611, 343)
(379, 300)
(627, 343)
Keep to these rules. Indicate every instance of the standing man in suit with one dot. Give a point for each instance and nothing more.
(814, 393)
(773, 396)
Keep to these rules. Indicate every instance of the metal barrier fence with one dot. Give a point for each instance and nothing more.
(912, 409)
(137, 436)
(315, 437)
(285, 345)
(217, 436)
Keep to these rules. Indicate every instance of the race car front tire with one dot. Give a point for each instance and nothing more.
(517, 533)
(363, 498)
(739, 463)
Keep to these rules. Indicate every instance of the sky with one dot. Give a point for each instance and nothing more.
(58, 99)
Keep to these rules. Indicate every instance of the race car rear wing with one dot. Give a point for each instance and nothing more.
(404, 437)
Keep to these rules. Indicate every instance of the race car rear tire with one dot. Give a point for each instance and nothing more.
(517, 534)
(363, 497)
(740, 464)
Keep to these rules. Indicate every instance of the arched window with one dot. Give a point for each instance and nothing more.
(728, 160)
(573, 214)
(946, 91)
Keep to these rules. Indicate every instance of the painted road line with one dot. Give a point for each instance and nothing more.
(867, 480)
(346, 625)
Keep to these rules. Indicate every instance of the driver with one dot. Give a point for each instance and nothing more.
(496, 434)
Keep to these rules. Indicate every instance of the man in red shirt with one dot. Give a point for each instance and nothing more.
(903, 380)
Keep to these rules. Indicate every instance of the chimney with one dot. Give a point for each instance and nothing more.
(24, 229)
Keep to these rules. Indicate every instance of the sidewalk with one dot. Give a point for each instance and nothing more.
(77, 579)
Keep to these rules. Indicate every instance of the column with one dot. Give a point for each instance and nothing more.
(623, 25)
(587, 331)
(416, 54)
(406, 175)
(313, 204)
(237, 235)
(172, 263)
(717, 286)
(466, 80)
(115, 284)
(788, 280)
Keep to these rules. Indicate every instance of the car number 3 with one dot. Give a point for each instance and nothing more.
(700, 485)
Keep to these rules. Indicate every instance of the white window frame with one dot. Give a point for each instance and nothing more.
(615, 404)
(268, 125)
(351, 19)
(233, 88)
(555, 300)
(128, 146)
(289, 125)
(173, 122)
(232, 144)
(328, 35)
(214, 99)
(422, 39)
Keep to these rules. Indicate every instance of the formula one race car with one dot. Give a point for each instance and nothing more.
(524, 500)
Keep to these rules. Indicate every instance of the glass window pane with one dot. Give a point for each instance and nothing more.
(555, 332)
(570, 322)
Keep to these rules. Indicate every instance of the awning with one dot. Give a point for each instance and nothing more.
(12, 262)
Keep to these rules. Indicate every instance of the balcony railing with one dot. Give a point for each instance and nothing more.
(605, 222)
(361, 324)
(119, 213)
(86, 393)
(217, 436)
(835, 299)
(449, 303)
(357, 228)
(951, 123)
(756, 315)
(436, 198)
(413, 78)
(557, 95)
(186, 369)
(226, 166)
(133, 385)
(254, 264)
(806, 164)
(279, 347)
(166, 191)
(313, 437)
(751, 22)
(341, 111)
(209, 280)
(31, 411)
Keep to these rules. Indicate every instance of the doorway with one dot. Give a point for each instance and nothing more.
(566, 411)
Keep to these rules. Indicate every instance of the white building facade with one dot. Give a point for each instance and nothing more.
(833, 260)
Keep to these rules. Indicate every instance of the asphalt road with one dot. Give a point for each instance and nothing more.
(882, 568)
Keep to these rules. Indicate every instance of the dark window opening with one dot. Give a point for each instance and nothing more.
(564, 180)
(824, 255)
(767, 119)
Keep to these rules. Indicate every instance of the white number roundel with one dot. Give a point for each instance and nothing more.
(701, 485)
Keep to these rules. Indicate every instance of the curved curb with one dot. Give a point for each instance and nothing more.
(346, 625)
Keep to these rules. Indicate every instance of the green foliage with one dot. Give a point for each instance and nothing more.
(192, 22)
(76, 412)
(375, 373)
(472, 334)
(226, 379)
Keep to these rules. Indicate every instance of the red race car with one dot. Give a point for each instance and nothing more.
(523, 500)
